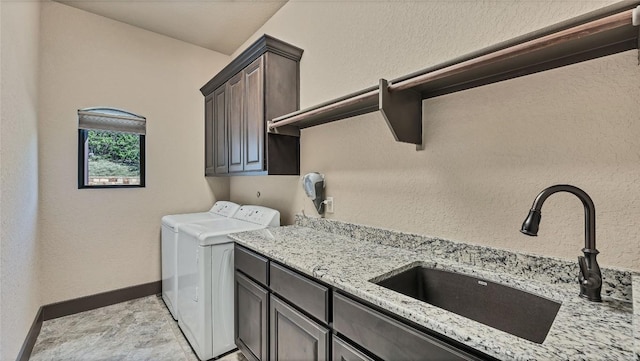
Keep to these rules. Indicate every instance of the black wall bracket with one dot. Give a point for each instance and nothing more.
(402, 110)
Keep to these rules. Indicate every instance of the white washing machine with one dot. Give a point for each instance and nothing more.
(205, 270)
(169, 240)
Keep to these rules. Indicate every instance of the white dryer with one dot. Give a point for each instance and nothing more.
(169, 247)
(205, 270)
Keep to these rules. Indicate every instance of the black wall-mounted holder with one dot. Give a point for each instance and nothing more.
(313, 185)
(403, 113)
(318, 202)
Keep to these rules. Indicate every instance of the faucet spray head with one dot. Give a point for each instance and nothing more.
(530, 225)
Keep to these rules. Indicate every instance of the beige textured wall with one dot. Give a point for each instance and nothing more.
(489, 151)
(95, 240)
(19, 284)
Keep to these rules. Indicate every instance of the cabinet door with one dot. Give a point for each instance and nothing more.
(221, 156)
(209, 168)
(294, 336)
(251, 318)
(234, 101)
(254, 116)
(342, 351)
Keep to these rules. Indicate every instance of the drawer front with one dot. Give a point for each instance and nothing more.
(301, 291)
(294, 336)
(342, 351)
(386, 337)
(251, 264)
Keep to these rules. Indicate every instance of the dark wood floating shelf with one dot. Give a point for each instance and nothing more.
(603, 32)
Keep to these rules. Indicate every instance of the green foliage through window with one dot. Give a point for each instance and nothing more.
(113, 154)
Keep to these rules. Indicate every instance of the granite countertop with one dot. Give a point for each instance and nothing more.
(348, 256)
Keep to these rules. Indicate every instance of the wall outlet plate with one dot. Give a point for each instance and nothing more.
(328, 207)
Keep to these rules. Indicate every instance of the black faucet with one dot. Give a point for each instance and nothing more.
(590, 276)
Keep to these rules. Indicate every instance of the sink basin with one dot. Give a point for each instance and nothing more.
(514, 311)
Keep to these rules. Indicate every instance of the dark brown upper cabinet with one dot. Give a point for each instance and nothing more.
(262, 83)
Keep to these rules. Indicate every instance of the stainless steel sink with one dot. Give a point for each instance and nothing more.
(508, 309)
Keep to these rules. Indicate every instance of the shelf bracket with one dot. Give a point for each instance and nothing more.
(402, 111)
(284, 130)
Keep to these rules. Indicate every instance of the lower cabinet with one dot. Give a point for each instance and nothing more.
(251, 318)
(282, 315)
(294, 336)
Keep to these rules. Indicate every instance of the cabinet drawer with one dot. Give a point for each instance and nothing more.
(301, 291)
(251, 264)
(342, 351)
(386, 337)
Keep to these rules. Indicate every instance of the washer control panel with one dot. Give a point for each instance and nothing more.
(259, 215)
(224, 208)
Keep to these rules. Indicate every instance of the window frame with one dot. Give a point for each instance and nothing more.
(83, 164)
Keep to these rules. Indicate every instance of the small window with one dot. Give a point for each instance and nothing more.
(110, 148)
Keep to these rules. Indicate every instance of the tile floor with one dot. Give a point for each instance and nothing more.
(136, 330)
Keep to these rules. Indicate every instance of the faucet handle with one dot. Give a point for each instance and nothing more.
(590, 279)
(584, 269)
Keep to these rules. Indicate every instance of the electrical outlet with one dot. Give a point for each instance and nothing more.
(329, 205)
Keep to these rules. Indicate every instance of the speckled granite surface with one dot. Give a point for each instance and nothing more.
(349, 256)
(616, 284)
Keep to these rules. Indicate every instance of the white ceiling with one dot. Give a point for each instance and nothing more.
(219, 25)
